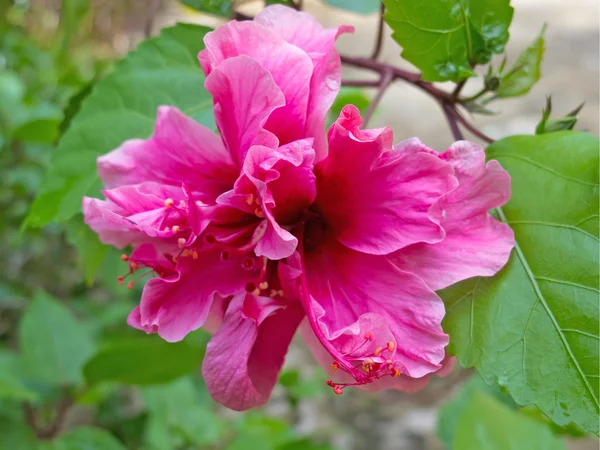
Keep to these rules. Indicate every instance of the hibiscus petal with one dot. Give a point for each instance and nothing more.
(134, 214)
(289, 66)
(305, 32)
(180, 151)
(175, 305)
(245, 95)
(244, 357)
(402, 383)
(347, 284)
(476, 244)
(377, 200)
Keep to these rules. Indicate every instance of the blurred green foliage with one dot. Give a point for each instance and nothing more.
(73, 375)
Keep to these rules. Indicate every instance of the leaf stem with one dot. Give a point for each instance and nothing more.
(379, 39)
(452, 122)
(386, 79)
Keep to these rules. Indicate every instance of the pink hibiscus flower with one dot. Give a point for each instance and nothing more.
(270, 225)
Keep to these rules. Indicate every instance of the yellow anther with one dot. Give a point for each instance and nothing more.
(185, 253)
(167, 229)
(273, 293)
(256, 291)
(182, 204)
(368, 361)
(264, 285)
(378, 351)
(194, 253)
(259, 213)
(391, 346)
(280, 292)
(181, 242)
(169, 202)
(175, 228)
(395, 372)
(250, 199)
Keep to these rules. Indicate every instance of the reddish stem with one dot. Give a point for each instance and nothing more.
(386, 80)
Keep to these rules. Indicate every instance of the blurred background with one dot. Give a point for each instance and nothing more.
(50, 58)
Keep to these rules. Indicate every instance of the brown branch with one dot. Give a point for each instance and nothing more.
(470, 127)
(452, 122)
(379, 41)
(398, 73)
(361, 83)
(61, 412)
(386, 80)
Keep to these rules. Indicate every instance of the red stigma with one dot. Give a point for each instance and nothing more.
(124, 257)
(338, 390)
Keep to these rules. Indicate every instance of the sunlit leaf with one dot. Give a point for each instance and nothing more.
(533, 328)
(444, 38)
(526, 71)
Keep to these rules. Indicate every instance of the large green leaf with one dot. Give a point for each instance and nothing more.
(487, 424)
(144, 360)
(163, 71)
(444, 38)
(533, 328)
(54, 344)
(526, 71)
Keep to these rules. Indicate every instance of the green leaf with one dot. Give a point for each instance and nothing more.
(16, 435)
(304, 444)
(346, 96)
(12, 388)
(89, 248)
(533, 328)
(548, 125)
(259, 432)
(357, 6)
(452, 411)
(144, 360)
(223, 8)
(54, 344)
(444, 38)
(526, 71)
(177, 414)
(163, 71)
(87, 438)
(487, 424)
(37, 124)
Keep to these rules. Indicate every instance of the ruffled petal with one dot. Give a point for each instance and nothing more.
(277, 186)
(142, 213)
(244, 357)
(345, 285)
(174, 305)
(401, 383)
(244, 95)
(289, 66)
(476, 244)
(180, 151)
(304, 31)
(377, 200)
